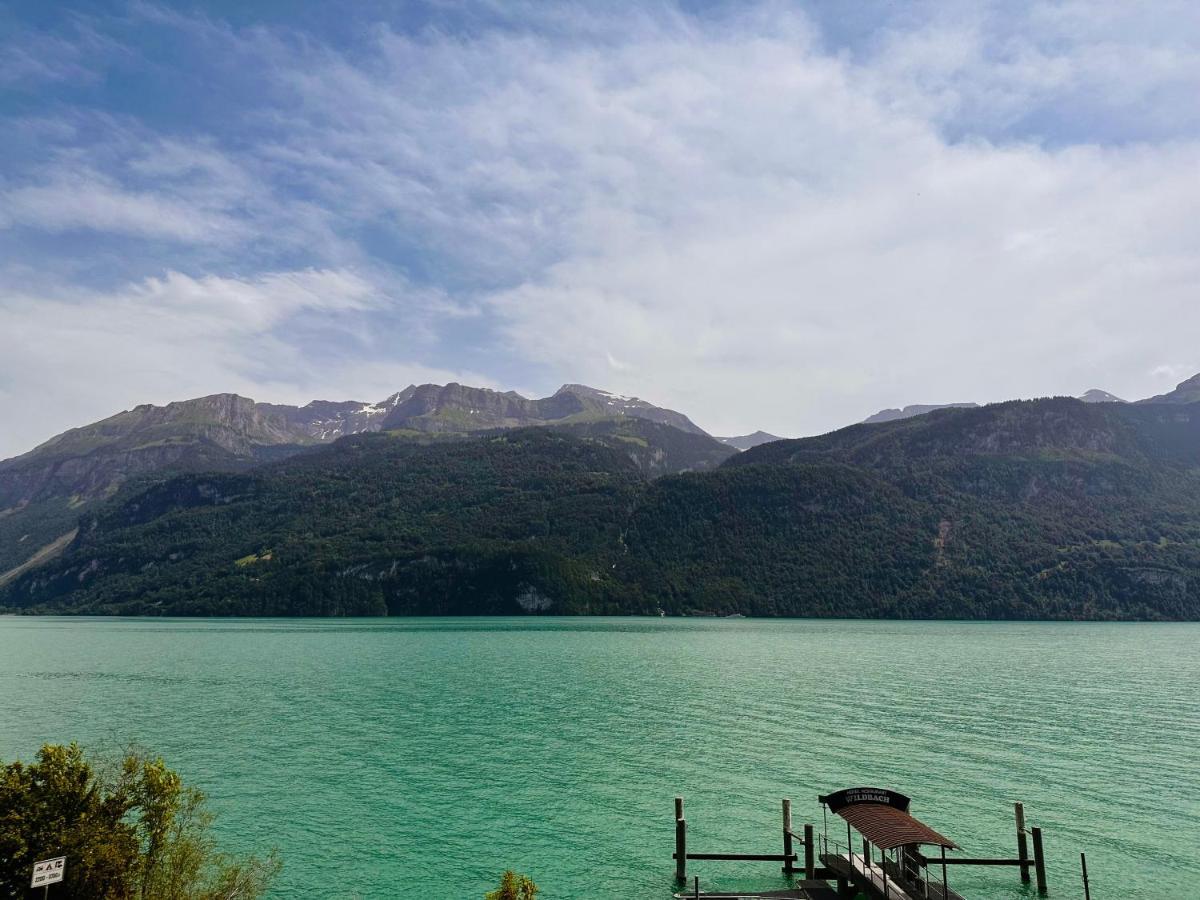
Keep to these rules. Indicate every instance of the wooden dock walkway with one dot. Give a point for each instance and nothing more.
(871, 878)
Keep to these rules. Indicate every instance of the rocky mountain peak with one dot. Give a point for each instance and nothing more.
(1095, 395)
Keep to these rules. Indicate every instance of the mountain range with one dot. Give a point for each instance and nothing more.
(445, 499)
(43, 492)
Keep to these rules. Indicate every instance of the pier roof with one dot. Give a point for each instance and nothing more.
(881, 816)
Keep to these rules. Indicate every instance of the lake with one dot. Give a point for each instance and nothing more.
(430, 754)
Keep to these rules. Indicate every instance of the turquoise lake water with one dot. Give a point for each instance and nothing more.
(428, 755)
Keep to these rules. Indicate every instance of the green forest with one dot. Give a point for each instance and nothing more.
(1031, 509)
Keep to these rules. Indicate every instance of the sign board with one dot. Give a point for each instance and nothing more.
(48, 871)
(852, 796)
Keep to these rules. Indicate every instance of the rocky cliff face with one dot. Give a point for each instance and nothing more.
(213, 432)
(458, 408)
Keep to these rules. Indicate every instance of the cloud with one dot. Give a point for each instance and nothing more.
(767, 235)
(764, 216)
(85, 199)
(72, 357)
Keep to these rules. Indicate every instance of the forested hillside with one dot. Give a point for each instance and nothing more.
(1038, 509)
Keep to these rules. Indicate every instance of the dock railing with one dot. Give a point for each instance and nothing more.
(887, 876)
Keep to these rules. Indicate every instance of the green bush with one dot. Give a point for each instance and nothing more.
(513, 887)
(132, 831)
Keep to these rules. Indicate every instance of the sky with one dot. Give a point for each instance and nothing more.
(783, 216)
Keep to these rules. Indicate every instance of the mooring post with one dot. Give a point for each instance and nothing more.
(810, 869)
(1087, 891)
(1022, 844)
(680, 850)
(1039, 860)
(678, 808)
(696, 888)
(788, 867)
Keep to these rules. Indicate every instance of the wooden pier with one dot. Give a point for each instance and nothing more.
(888, 862)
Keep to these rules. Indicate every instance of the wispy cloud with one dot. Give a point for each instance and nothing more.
(70, 356)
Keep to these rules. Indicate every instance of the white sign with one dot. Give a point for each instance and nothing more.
(48, 871)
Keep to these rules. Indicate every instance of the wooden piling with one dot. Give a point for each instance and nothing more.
(681, 850)
(788, 864)
(810, 865)
(1039, 860)
(678, 808)
(1022, 844)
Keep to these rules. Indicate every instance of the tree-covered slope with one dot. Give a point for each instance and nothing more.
(372, 524)
(1040, 509)
(44, 492)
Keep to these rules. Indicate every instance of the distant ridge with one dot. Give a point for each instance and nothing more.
(1185, 392)
(916, 409)
(746, 441)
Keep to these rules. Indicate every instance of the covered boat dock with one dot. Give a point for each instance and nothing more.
(890, 864)
(886, 853)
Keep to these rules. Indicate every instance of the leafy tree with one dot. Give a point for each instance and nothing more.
(133, 833)
(513, 887)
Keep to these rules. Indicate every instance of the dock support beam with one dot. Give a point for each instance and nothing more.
(680, 842)
(1039, 860)
(788, 867)
(1022, 845)
(810, 868)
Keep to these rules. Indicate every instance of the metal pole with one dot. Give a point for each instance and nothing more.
(945, 878)
(1087, 891)
(1022, 847)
